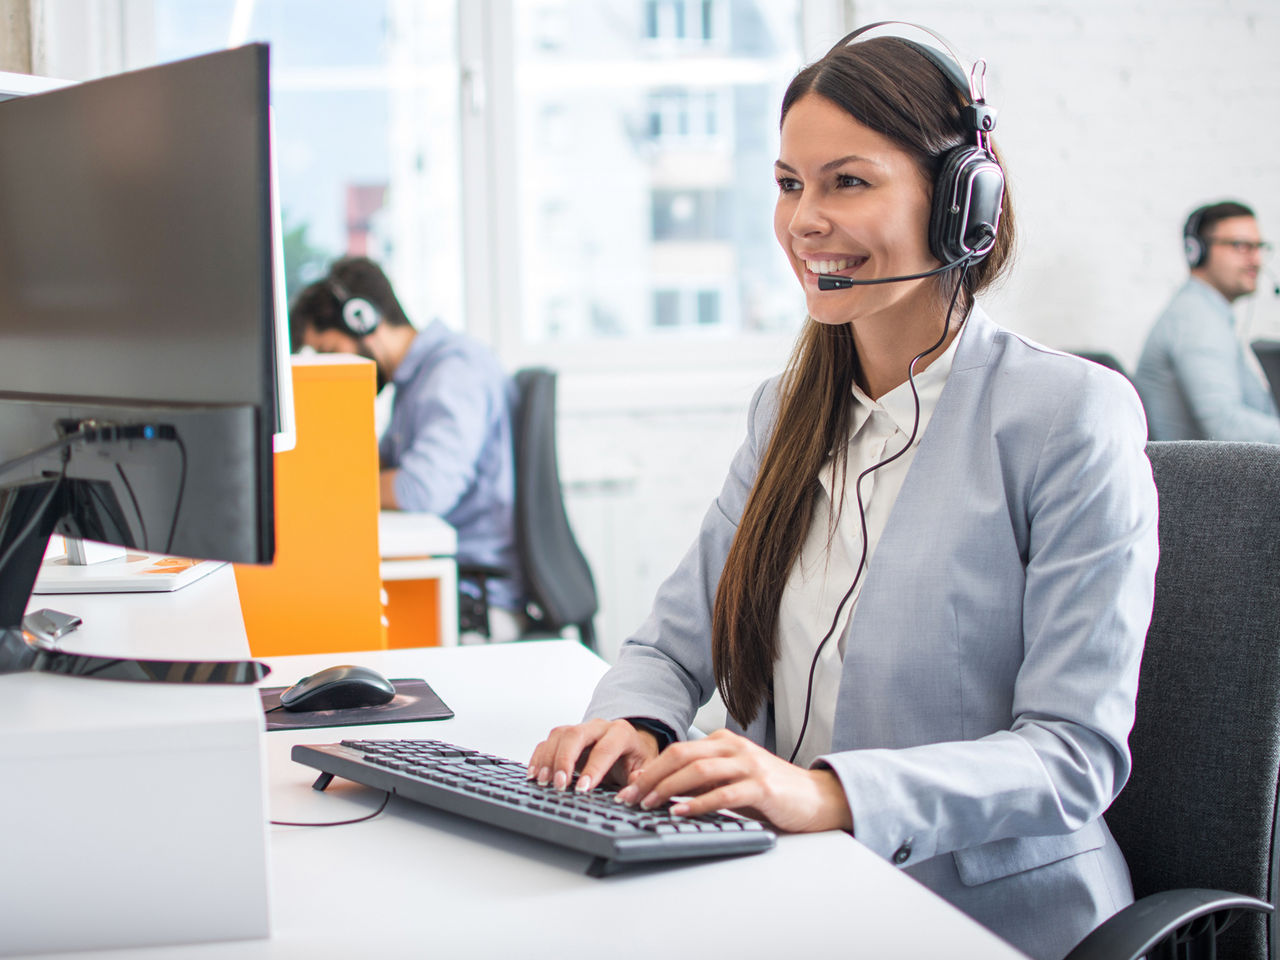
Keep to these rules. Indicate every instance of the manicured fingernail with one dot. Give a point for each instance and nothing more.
(680, 809)
(562, 780)
(626, 795)
(649, 801)
(544, 776)
(533, 772)
(584, 784)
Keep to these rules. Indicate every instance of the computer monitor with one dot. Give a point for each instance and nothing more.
(138, 300)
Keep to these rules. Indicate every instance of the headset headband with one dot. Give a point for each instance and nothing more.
(978, 114)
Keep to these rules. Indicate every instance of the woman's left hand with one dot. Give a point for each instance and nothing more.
(727, 771)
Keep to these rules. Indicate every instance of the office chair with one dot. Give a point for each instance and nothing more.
(1198, 814)
(1268, 354)
(557, 579)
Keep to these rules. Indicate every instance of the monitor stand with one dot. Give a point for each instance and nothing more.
(29, 514)
(82, 553)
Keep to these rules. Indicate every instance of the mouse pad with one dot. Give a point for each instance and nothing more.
(414, 700)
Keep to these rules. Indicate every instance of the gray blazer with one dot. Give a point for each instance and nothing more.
(991, 664)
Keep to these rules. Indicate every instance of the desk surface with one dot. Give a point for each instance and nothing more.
(403, 534)
(416, 882)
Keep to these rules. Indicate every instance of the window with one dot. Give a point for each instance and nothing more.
(576, 181)
(688, 118)
(666, 178)
(688, 308)
(365, 101)
(697, 21)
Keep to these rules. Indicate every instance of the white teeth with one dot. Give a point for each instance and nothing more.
(829, 266)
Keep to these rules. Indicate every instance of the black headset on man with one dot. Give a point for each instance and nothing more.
(1193, 244)
(359, 317)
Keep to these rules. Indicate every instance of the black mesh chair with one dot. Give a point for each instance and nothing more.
(558, 583)
(1197, 819)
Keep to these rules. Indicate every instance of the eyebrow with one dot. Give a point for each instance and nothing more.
(833, 164)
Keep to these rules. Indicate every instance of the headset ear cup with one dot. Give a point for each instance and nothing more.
(966, 205)
(360, 316)
(1193, 247)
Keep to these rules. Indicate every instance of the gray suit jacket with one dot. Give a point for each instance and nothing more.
(991, 664)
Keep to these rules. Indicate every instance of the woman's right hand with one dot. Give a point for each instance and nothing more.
(613, 749)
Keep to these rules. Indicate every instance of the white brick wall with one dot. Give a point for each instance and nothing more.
(1116, 119)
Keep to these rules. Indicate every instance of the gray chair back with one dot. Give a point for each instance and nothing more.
(556, 574)
(1200, 807)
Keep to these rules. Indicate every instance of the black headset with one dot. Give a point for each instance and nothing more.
(1193, 245)
(359, 317)
(970, 185)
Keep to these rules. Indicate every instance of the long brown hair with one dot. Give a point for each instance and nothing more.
(895, 90)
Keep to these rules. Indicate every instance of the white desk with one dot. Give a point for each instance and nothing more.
(134, 812)
(421, 546)
(417, 883)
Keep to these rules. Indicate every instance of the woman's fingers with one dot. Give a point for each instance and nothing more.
(621, 749)
(560, 751)
(732, 796)
(696, 777)
(601, 746)
(688, 761)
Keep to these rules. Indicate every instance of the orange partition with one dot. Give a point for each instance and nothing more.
(322, 592)
(413, 613)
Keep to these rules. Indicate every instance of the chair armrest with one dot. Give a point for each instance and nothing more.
(1186, 914)
(482, 571)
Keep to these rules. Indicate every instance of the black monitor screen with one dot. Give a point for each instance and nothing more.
(135, 235)
(137, 297)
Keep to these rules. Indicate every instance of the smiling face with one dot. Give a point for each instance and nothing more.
(850, 202)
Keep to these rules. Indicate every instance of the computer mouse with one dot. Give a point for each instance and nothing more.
(338, 688)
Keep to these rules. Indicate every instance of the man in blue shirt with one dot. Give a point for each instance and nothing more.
(1194, 376)
(448, 449)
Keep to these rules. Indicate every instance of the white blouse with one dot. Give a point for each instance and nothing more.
(821, 577)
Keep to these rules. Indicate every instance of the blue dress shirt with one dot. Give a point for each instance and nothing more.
(450, 438)
(1194, 376)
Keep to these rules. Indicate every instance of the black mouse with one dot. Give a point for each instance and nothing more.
(338, 688)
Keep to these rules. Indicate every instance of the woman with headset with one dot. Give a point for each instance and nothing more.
(924, 587)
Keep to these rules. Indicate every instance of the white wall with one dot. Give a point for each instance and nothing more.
(1116, 119)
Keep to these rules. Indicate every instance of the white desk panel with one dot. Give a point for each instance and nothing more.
(133, 812)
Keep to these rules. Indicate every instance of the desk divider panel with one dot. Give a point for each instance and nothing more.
(322, 594)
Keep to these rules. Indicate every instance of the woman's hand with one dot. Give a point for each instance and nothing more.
(616, 750)
(726, 771)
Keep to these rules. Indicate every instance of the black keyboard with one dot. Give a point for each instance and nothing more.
(497, 791)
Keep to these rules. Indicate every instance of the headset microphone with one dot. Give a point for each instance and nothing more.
(832, 281)
(1271, 278)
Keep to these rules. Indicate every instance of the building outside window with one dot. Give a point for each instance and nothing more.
(578, 179)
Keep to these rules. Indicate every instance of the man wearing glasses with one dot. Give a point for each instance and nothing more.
(1195, 377)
